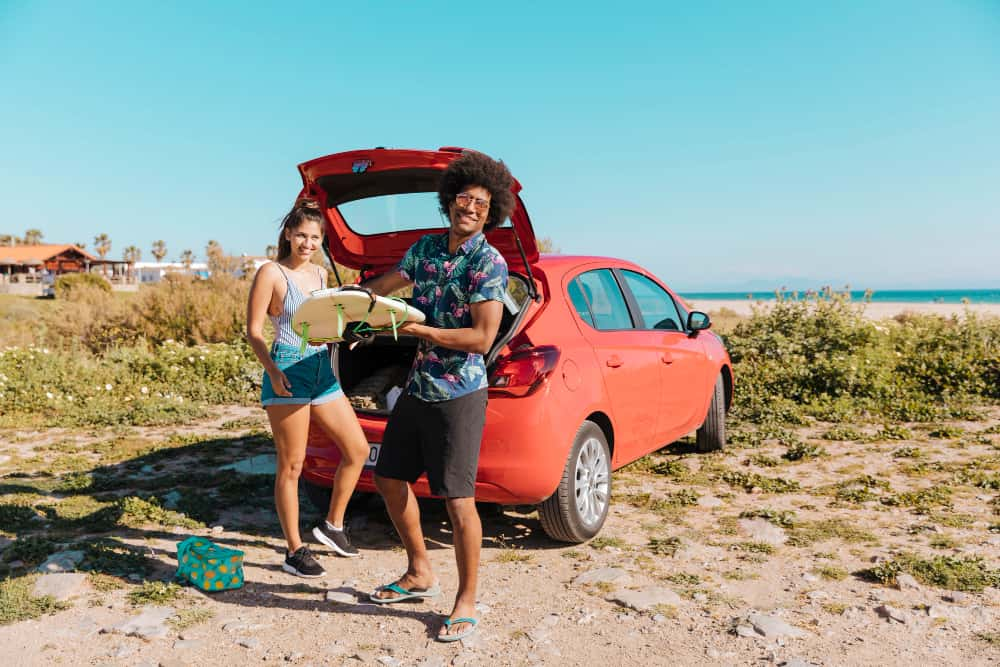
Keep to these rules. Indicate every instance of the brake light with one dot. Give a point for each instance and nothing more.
(523, 372)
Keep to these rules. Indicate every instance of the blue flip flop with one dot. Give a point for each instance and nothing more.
(448, 622)
(403, 594)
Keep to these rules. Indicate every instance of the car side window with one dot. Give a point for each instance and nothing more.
(606, 302)
(579, 302)
(656, 306)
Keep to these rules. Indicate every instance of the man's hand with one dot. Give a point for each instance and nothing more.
(355, 335)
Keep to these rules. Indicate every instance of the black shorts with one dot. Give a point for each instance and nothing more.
(440, 438)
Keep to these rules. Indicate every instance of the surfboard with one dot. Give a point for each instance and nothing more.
(323, 316)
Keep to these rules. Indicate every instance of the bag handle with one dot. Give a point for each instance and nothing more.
(184, 547)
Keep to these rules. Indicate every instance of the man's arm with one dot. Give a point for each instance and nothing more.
(476, 339)
(387, 283)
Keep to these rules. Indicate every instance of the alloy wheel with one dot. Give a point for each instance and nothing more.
(592, 482)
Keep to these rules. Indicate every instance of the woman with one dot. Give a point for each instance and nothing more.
(299, 386)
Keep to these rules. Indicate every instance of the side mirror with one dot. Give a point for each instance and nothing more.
(698, 321)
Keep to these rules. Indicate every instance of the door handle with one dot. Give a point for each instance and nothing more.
(666, 357)
(614, 361)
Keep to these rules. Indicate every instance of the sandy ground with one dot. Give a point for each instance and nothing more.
(680, 535)
(875, 310)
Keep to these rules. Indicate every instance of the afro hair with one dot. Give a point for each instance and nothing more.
(474, 168)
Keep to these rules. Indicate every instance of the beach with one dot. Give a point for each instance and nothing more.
(875, 310)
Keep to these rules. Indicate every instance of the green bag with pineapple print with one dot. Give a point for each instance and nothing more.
(209, 566)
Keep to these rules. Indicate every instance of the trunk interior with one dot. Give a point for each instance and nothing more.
(373, 376)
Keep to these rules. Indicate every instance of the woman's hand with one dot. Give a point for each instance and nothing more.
(279, 383)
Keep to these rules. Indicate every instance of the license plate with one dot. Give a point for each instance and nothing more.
(373, 454)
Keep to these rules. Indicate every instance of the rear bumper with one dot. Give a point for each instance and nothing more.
(521, 460)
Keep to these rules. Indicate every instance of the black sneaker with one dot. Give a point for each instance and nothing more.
(302, 563)
(335, 539)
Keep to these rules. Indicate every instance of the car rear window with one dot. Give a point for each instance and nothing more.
(579, 302)
(606, 302)
(393, 213)
(396, 212)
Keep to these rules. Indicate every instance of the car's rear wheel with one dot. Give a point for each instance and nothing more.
(711, 436)
(319, 496)
(578, 508)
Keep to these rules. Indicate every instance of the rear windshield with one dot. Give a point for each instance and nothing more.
(393, 213)
(384, 202)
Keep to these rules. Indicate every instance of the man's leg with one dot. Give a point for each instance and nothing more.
(468, 531)
(405, 515)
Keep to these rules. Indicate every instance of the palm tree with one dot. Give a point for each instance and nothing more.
(218, 261)
(159, 250)
(33, 237)
(131, 254)
(80, 245)
(102, 245)
(6, 240)
(187, 259)
(272, 252)
(247, 267)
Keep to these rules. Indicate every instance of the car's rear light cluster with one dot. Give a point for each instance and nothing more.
(524, 371)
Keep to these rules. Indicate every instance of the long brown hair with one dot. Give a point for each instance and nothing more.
(304, 210)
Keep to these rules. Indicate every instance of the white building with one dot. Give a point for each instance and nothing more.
(245, 263)
(153, 272)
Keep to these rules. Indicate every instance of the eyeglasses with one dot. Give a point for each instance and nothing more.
(463, 199)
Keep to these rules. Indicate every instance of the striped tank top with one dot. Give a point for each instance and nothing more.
(284, 334)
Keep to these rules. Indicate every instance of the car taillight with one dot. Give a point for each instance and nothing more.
(523, 372)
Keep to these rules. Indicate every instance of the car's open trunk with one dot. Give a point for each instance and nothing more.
(368, 374)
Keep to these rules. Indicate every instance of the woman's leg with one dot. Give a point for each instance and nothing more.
(336, 417)
(290, 427)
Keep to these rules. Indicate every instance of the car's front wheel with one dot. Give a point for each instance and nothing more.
(578, 508)
(711, 436)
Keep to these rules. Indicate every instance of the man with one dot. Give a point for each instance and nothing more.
(459, 281)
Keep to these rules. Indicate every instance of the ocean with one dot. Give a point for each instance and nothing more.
(885, 296)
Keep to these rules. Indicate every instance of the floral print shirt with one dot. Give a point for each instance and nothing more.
(444, 286)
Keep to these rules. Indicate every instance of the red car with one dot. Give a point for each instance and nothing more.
(596, 364)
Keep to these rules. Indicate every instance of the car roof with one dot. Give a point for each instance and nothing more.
(557, 262)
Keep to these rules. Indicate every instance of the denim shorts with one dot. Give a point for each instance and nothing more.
(310, 374)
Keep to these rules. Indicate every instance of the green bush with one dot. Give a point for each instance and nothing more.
(821, 358)
(169, 383)
(18, 603)
(71, 285)
(956, 574)
(179, 309)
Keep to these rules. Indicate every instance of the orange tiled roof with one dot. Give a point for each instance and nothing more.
(23, 253)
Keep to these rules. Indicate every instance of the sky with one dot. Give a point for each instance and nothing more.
(722, 145)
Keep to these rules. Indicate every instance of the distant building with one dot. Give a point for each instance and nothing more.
(154, 272)
(31, 269)
(55, 258)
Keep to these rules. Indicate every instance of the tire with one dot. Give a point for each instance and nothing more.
(712, 434)
(577, 510)
(319, 496)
